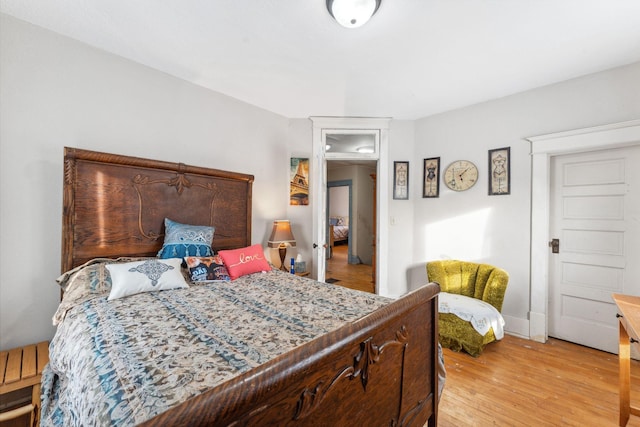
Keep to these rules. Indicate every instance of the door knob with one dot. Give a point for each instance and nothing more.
(555, 246)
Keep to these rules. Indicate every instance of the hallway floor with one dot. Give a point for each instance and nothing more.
(354, 276)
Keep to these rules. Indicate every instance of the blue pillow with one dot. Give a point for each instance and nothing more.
(181, 240)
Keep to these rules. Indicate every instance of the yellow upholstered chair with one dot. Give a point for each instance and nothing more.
(471, 300)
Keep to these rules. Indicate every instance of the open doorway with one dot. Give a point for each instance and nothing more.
(337, 139)
(351, 223)
(339, 210)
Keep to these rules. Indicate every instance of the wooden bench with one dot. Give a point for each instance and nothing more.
(21, 368)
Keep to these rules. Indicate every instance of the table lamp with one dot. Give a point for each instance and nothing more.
(281, 238)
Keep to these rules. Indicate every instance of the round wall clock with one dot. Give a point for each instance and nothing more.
(460, 175)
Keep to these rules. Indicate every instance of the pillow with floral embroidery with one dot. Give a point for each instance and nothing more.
(181, 240)
(240, 262)
(145, 276)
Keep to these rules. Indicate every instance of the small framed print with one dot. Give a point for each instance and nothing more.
(500, 171)
(431, 178)
(299, 181)
(401, 180)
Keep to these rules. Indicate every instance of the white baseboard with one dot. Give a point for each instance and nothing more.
(538, 326)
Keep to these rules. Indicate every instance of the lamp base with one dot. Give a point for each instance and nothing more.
(282, 250)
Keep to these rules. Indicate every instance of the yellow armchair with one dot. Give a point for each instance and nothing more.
(482, 282)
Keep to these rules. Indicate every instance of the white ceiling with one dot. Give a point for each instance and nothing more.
(413, 59)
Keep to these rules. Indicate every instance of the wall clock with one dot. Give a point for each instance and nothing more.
(461, 175)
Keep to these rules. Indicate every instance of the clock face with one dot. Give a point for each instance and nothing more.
(461, 175)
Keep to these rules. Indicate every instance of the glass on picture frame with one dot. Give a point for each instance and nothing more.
(500, 171)
(401, 180)
(299, 181)
(431, 178)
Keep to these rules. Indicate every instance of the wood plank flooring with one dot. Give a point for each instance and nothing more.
(517, 382)
(354, 276)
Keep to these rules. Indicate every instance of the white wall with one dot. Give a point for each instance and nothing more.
(339, 201)
(402, 261)
(363, 216)
(299, 145)
(495, 229)
(57, 92)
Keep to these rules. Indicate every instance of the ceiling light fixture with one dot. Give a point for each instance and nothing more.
(352, 13)
(365, 150)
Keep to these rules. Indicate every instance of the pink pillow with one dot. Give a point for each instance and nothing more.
(244, 261)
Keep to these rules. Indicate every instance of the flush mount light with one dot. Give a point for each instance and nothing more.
(352, 13)
(365, 150)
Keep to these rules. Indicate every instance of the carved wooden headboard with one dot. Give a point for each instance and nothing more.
(115, 205)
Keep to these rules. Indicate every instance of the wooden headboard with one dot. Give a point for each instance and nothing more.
(115, 205)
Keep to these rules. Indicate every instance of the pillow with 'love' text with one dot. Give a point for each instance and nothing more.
(240, 262)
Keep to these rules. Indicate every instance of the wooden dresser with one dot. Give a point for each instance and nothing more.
(629, 328)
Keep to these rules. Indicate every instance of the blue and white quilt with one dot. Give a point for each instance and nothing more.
(122, 362)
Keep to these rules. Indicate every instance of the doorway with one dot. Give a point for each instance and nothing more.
(543, 148)
(351, 224)
(327, 130)
(339, 215)
(595, 201)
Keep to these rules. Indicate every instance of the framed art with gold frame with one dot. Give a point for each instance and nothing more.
(431, 178)
(500, 171)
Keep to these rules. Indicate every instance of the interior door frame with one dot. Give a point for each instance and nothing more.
(544, 147)
(318, 173)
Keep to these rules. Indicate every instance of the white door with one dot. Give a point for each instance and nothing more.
(595, 215)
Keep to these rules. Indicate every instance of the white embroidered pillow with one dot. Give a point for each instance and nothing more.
(145, 276)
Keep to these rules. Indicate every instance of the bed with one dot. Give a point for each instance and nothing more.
(339, 230)
(202, 354)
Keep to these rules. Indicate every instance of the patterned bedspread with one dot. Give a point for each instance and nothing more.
(124, 361)
(340, 232)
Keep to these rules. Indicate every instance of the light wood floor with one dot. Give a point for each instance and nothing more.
(354, 276)
(517, 382)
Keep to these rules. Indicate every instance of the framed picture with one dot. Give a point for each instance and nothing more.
(299, 181)
(500, 171)
(401, 180)
(431, 178)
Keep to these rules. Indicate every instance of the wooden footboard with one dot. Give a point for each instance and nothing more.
(381, 370)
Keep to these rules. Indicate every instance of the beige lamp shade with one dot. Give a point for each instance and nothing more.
(281, 235)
